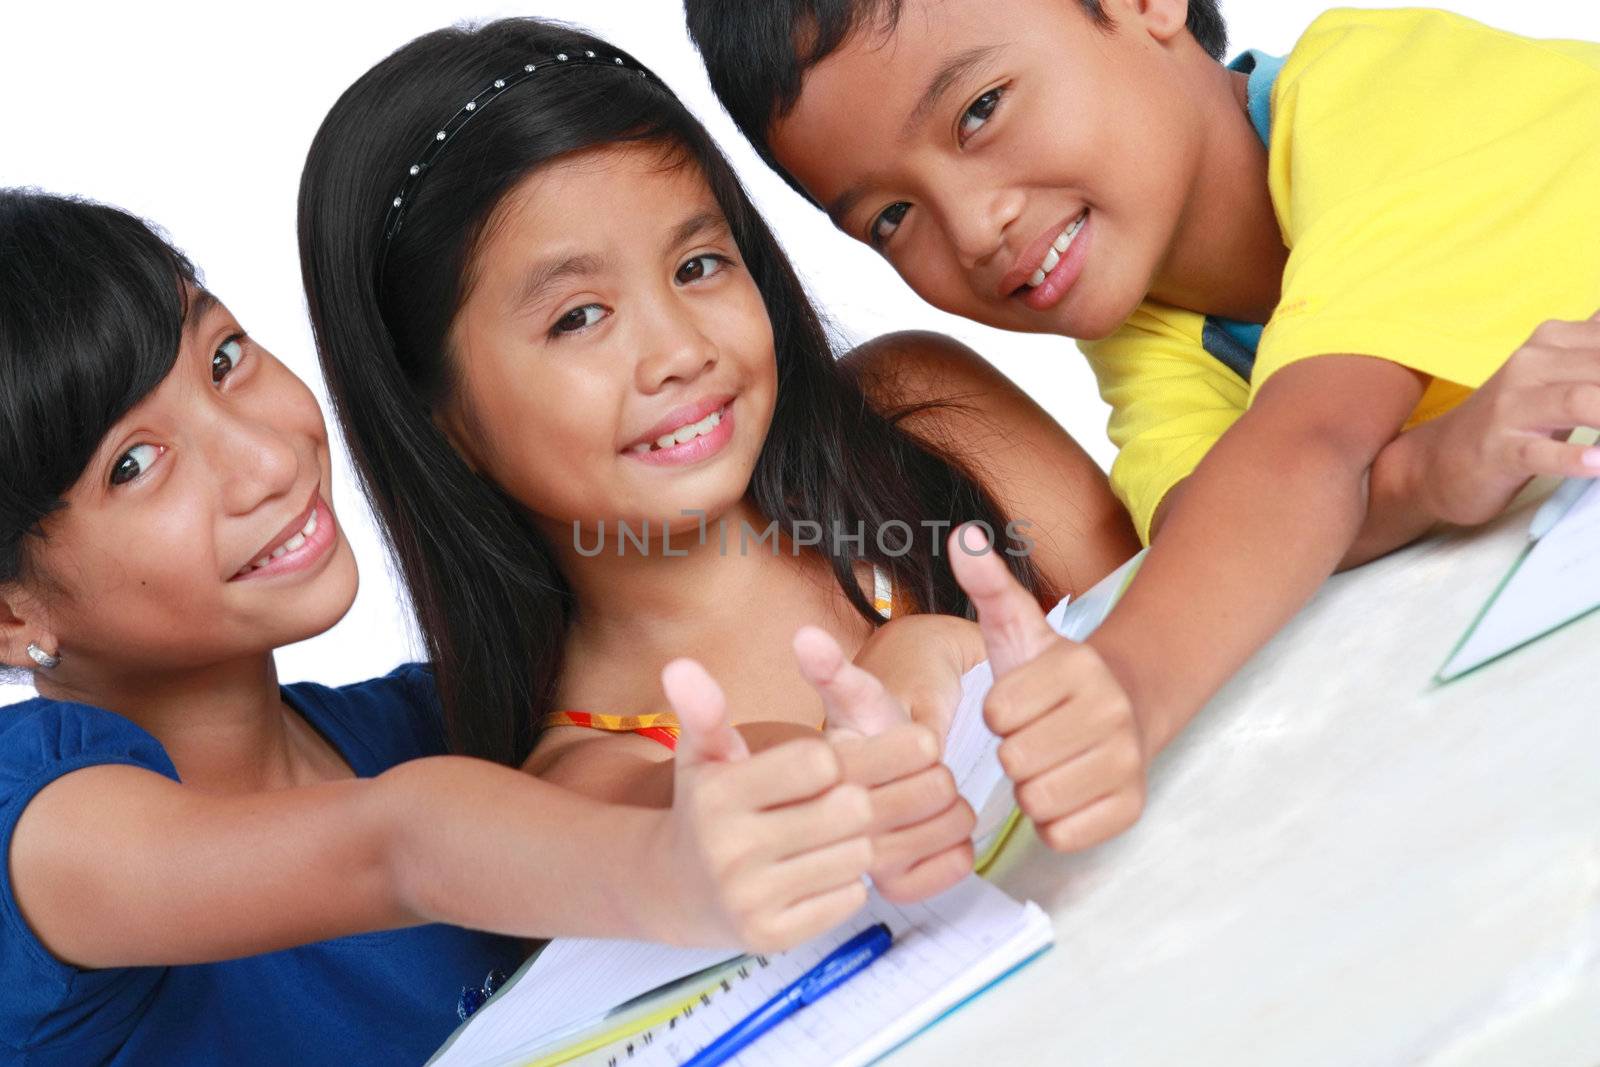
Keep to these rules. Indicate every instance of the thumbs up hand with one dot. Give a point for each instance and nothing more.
(1070, 741)
(921, 827)
(763, 851)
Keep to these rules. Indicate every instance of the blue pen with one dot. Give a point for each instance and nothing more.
(1557, 505)
(840, 965)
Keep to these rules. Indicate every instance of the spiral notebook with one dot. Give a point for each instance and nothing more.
(585, 1001)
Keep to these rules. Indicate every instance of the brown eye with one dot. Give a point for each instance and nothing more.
(978, 113)
(700, 267)
(887, 221)
(226, 359)
(132, 463)
(578, 318)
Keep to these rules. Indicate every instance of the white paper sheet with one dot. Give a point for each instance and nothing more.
(1557, 581)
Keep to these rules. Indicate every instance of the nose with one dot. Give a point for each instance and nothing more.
(977, 220)
(255, 461)
(676, 348)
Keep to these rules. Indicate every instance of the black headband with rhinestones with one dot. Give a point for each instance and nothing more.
(436, 144)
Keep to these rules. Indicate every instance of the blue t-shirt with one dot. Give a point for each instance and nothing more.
(378, 998)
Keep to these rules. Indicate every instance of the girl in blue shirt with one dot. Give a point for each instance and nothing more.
(202, 864)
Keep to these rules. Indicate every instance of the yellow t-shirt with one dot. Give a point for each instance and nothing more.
(1437, 183)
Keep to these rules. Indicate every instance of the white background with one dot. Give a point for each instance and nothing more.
(198, 115)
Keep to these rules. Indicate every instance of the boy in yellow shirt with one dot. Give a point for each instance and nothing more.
(1333, 300)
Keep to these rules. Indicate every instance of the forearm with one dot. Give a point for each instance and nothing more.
(479, 845)
(1260, 524)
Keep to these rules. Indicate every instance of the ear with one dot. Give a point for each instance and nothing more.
(1163, 20)
(19, 628)
(448, 420)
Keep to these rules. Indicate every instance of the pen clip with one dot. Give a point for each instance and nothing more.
(845, 962)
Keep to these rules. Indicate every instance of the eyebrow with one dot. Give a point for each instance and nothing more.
(201, 304)
(951, 71)
(695, 225)
(546, 275)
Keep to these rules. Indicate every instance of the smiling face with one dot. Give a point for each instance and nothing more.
(615, 359)
(200, 530)
(1018, 164)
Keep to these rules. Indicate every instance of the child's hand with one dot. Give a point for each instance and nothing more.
(1477, 456)
(766, 850)
(920, 660)
(1071, 743)
(921, 827)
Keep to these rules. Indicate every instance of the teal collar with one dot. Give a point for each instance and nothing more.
(1230, 342)
(1263, 71)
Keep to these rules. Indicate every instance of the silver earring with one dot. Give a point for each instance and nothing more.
(43, 658)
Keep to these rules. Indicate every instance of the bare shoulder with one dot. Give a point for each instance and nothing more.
(950, 397)
(917, 367)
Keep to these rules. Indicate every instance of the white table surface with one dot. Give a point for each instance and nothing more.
(1340, 862)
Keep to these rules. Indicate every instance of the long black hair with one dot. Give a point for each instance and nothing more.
(493, 605)
(92, 306)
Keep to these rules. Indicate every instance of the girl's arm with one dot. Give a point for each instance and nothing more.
(117, 866)
(1032, 467)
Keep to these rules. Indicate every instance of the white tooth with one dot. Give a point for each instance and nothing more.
(1060, 243)
(262, 562)
(295, 543)
(641, 447)
(1036, 278)
(703, 427)
(714, 419)
(666, 440)
(279, 551)
(1051, 258)
(684, 434)
(311, 525)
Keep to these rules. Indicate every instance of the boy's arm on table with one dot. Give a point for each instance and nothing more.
(1260, 523)
(117, 866)
(1463, 467)
(1269, 513)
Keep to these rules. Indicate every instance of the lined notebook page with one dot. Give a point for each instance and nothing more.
(572, 983)
(945, 950)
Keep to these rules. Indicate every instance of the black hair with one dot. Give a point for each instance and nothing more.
(92, 307)
(757, 53)
(493, 605)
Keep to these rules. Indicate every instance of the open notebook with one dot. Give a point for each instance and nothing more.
(1554, 581)
(573, 1001)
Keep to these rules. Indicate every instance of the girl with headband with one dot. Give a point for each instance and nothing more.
(577, 373)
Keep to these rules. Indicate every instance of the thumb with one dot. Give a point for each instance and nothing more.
(852, 698)
(702, 710)
(1014, 629)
